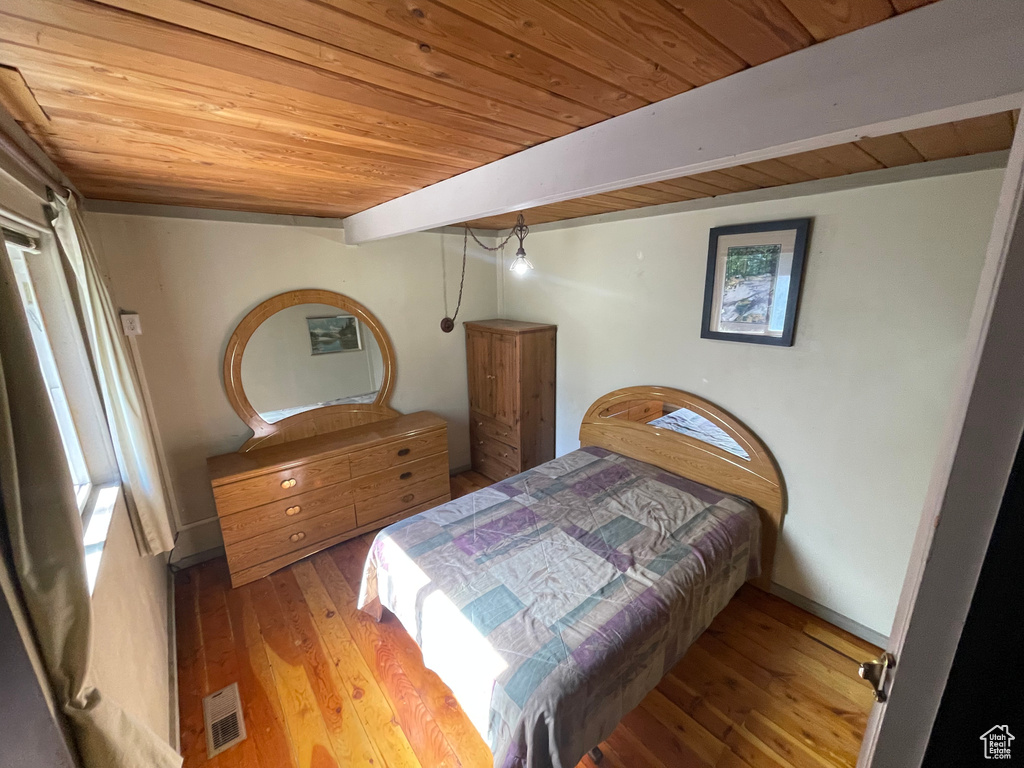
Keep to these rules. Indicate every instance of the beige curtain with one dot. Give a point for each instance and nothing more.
(134, 442)
(44, 552)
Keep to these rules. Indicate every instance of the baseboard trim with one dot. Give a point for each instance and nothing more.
(172, 663)
(196, 558)
(819, 610)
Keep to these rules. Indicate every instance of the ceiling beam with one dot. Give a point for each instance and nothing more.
(947, 61)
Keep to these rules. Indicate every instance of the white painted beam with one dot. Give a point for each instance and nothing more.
(950, 60)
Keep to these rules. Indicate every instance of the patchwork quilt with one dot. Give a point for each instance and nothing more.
(553, 602)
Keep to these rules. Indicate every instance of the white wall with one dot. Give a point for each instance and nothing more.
(853, 412)
(193, 280)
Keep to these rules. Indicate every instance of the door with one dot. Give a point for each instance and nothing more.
(481, 371)
(983, 698)
(506, 377)
(968, 483)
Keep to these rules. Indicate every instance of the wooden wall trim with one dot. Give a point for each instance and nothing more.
(118, 207)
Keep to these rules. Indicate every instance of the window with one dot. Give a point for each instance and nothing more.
(64, 363)
(51, 376)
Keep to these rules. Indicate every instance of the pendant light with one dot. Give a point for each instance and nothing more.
(521, 265)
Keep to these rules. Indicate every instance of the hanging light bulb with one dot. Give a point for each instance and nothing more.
(521, 265)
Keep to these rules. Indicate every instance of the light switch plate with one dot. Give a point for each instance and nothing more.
(131, 324)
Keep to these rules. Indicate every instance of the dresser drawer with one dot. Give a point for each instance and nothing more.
(490, 468)
(368, 487)
(484, 426)
(499, 452)
(403, 451)
(386, 493)
(289, 538)
(399, 499)
(262, 489)
(295, 509)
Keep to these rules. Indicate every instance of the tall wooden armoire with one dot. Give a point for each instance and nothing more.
(511, 395)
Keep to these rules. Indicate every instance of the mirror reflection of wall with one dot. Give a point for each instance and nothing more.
(309, 356)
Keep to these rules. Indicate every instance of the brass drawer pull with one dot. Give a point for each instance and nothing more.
(297, 536)
(289, 483)
(408, 497)
(405, 476)
(293, 510)
(404, 452)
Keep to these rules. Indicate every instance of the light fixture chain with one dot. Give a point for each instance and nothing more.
(487, 247)
(503, 242)
(444, 277)
(462, 281)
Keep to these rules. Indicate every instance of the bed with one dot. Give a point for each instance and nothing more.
(551, 603)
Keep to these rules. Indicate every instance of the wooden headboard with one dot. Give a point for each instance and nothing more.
(618, 422)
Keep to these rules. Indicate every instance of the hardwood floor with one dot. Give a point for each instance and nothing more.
(323, 685)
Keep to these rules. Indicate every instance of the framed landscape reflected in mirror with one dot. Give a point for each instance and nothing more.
(337, 333)
(753, 281)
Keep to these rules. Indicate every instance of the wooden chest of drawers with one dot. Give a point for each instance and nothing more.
(277, 505)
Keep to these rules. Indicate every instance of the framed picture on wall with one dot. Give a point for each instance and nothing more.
(753, 281)
(339, 333)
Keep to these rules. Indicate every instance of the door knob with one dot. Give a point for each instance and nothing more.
(289, 483)
(877, 672)
(297, 536)
(293, 510)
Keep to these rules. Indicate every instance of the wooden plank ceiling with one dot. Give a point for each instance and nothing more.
(329, 107)
(990, 133)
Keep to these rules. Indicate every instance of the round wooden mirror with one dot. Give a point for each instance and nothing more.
(308, 362)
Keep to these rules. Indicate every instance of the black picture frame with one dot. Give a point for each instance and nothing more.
(801, 229)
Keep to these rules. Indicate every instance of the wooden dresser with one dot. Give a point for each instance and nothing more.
(511, 395)
(279, 504)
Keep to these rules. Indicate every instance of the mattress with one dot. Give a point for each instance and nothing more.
(553, 602)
